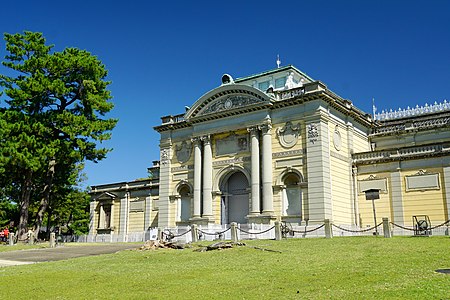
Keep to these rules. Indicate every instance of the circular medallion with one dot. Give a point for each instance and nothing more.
(228, 104)
(337, 139)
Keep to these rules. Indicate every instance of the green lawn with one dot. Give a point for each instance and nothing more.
(338, 268)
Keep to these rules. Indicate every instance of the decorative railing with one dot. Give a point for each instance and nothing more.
(368, 157)
(414, 111)
(172, 119)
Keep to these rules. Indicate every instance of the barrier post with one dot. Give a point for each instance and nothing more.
(234, 236)
(277, 230)
(11, 239)
(386, 229)
(328, 229)
(52, 240)
(194, 232)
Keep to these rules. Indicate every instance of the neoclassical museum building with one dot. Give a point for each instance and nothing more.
(281, 146)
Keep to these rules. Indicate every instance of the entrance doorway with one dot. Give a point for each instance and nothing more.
(235, 199)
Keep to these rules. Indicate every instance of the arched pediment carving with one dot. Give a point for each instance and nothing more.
(230, 97)
(229, 102)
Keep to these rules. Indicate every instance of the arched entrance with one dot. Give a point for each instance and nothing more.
(292, 195)
(235, 199)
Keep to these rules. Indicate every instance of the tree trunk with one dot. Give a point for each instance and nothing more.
(45, 200)
(49, 225)
(22, 228)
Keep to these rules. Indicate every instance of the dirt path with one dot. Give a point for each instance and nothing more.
(19, 257)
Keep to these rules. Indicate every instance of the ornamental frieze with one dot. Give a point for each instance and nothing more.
(288, 153)
(231, 161)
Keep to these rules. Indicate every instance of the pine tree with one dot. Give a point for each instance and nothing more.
(54, 118)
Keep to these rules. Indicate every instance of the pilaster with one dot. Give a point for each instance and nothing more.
(446, 171)
(318, 167)
(397, 198)
(148, 212)
(92, 205)
(164, 184)
(123, 229)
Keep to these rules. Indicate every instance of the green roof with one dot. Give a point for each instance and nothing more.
(285, 68)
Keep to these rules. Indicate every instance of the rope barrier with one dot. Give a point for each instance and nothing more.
(402, 227)
(413, 229)
(217, 232)
(261, 232)
(306, 231)
(358, 231)
(440, 225)
(171, 235)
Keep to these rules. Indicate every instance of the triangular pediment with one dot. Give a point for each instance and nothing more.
(105, 196)
(228, 98)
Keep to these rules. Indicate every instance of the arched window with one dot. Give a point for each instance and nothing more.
(292, 195)
(185, 204)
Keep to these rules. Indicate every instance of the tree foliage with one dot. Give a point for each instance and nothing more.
(53, 121)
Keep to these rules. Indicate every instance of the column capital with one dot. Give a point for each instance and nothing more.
(265, 128)
(196, 140)
(253, 130)
(206, 139)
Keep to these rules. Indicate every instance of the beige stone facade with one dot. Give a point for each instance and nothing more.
(280, 146)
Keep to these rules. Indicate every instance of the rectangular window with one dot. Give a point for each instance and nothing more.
(263, 86)
(280, 82)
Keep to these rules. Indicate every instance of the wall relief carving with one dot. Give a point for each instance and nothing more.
(232, 144)
(183, 152)
(337, 141)
(164, 156)
(288, 135)
(313, 132)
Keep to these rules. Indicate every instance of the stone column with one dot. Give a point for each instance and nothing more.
(178, 214)
(267, 169)
(197, 176)
(111, 217)
(101, 218)
(254, 136)
(207, 177)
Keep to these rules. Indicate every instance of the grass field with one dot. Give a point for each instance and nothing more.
(338, 268)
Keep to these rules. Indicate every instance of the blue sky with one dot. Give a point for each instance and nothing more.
(162, 57)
